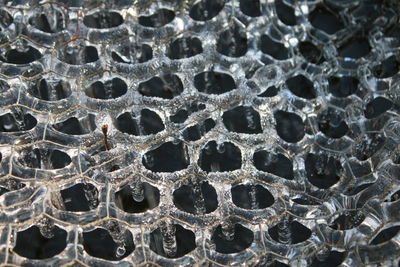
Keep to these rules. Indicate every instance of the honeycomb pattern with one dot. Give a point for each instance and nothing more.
(200, 132)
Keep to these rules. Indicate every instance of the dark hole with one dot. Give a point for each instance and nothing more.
(185, 242)
(17, 121)
(396, 158)
(77, 197)
(206, 9)
(273, 48)
(368, 145)
(332, 124)
(33, 71)
(333, 259)
(214, 83)
(146, 54)
(251, 196)
(196, 106)
(220, 158)
(110, 89)
(10, 184)
(50, 23)
(357, 189)
(377, 107)
(184, 48)
(196, 199)
(149, 123)
(322, 171)
(393, 31)
(285, 13)
(59, 159)
(114, 168)
(103, 20)
(270, 92)
(27, 56)
(3, 190)
(79, 55)
(31, 244)
(289, 126)
(232, 42)
(167, 86)
(131, 54)
(348, 220)
(242, 120)
(180, 116)
(394, 197)
(160, 18)
(195, 132)
(4, 86)
(305, 200)
(250, 7)
(50, 91)
(5, 19)
(99, 243)
(382, 86)
(74, 126)
(356, 47)
(301, 86)
(325, 20)
(168, 157)
(297, 232)
(242, 239)
(276, 164)
(311, 52)
(125, 201)
(385, 235)
(47, 159)
(387, 68)
(342, 86)
(127, 123)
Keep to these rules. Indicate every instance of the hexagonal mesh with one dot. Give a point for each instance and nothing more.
(204, 132)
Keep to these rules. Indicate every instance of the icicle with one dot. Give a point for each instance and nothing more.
(91, 195)
(228, 230)
(215, 167)
(115, 231)
(137, 190)
(169, 239)
(252, 197)
(250, 119)
(149, 159)
(19, 118)
(284, 234)
(108, 90)
(46, 228)
(45, 159)
(208, 80)
(320, 165)
(270, 158)
(198, 198)
(208, 149)
(120, 250)
(221, 148)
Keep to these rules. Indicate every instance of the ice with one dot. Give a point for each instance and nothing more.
(200, 133)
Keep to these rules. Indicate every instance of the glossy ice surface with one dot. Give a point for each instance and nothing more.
(208, 133)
